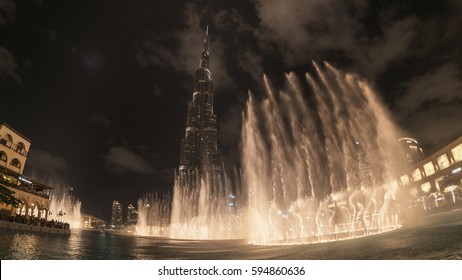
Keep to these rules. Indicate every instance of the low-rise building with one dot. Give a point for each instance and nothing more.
(34, 196)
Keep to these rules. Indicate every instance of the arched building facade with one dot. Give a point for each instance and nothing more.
(34, 196)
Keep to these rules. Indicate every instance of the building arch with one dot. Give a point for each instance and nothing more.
(7, 140)
(20, 148)
(16, 163)
(35, 209)
(3, 157)
(21, 209)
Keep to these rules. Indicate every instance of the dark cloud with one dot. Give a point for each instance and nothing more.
(157, 91)
(392, 46)
(7, 12)
(431, 106)
(48, 34)
(121, 160)
(243, 36)
(93, 61)
(42, 161)
(453, 21)
(101, 120)
(303, 30)
(52, 35)
(38, 2)
(436, 87)
(184, 58)
(436, 126)
(232, 21)
(251, 63)
(8, 66)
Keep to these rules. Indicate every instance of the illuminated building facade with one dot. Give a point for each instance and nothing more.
(132, 215)
(198, 154)
(13, 149)
(116, 220)
(89, 221)
(34, 196)
(436, 181)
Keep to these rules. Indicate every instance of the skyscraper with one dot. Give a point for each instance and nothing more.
(199, 155)
(116, 219)
(132, 215)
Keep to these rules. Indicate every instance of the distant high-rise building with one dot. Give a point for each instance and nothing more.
(199, 154)
(116, 214)
(132, 215)
(412, 150)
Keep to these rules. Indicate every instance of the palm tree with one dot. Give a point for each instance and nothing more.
(7, 196)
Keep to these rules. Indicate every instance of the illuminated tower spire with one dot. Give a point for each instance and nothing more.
(205, 56)
(199, 153)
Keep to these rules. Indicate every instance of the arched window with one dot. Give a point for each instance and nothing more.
(20, 148)
(3, 157)
(16, 163)
(7, 140)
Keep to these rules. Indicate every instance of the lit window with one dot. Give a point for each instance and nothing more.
(426, 187)
(429, 168)
(405, 180)
(457, 153)
(443, 161)
(416, 175)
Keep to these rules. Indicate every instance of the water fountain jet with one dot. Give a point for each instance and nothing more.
(66, 208)
(299, 158)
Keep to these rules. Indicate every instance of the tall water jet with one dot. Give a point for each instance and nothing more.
(64, 207)
(154, 213)
(323, 168)
(206, 209)
(203, 210)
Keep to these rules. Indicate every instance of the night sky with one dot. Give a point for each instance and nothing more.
(101, 87)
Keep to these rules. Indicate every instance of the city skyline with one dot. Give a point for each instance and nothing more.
(101, 90)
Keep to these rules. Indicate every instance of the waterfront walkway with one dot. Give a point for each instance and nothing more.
(33, 224)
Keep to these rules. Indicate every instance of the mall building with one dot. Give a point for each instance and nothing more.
(436, 180)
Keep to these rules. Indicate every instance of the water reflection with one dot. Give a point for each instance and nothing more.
(74, 246)
(24, 246)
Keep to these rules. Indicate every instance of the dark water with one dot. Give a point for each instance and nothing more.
(438, 236)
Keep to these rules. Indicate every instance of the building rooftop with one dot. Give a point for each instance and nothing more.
(15, 131)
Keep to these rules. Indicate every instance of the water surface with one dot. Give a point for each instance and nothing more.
(438, 236)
